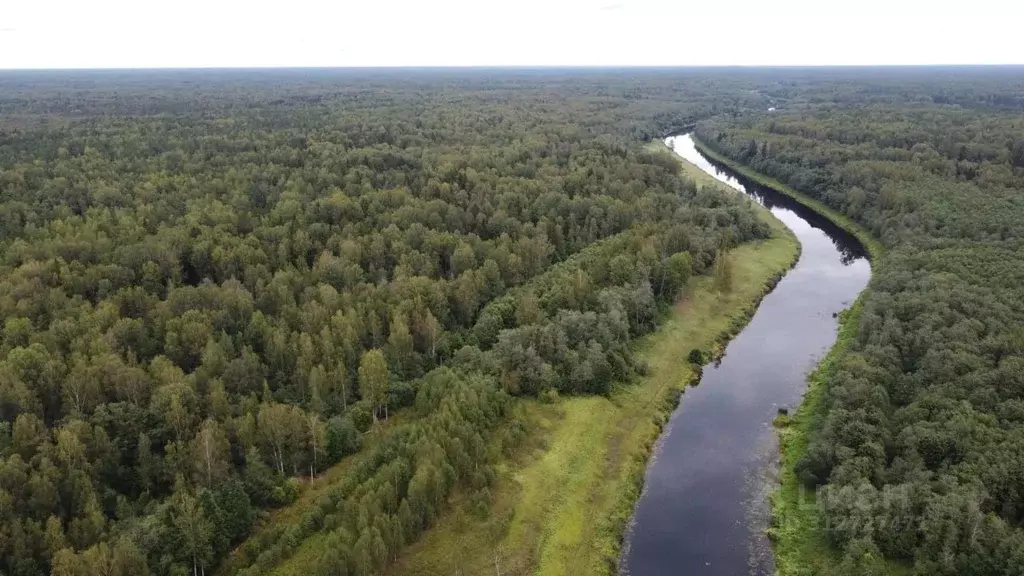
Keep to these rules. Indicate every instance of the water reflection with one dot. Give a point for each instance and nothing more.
(704, 507)
(849, 248)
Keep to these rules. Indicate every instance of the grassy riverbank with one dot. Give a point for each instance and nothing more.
(798, 534)
(799, 542)
(560, 506)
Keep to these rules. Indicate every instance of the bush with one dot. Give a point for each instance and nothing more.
(342, 438)
(286, 493)
(313, 519)
(641, 368)
(361, 416)
(698, 357)
(482, 503)
(549, 396)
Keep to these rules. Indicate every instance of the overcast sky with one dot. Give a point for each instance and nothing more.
(197, 33)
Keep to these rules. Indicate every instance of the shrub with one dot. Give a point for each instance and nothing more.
(698, 356)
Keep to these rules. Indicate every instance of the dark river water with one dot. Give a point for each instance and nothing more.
(704, 507)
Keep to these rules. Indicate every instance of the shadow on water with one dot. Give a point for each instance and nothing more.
(850, 249)
(704, 507)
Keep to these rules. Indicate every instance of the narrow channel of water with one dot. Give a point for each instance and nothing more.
(704, 507)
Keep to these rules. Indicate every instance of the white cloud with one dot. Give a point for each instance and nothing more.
(130, 33)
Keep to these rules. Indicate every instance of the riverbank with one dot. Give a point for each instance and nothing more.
(561, 504)
(797, 532)
(874, 247)
(798, 541)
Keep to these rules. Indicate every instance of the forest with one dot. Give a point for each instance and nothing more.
(216, 286)
(918, 454)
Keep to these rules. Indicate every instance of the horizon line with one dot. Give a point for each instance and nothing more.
(509, 67)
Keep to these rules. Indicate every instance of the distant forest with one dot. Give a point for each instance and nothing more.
(920, 451)
(215, 285)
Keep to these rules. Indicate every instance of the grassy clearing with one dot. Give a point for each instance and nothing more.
(561, 504)
(874, 247)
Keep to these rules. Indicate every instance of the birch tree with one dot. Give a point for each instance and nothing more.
(210, 453)
(373, 380)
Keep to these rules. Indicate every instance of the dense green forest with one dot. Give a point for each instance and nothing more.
(216, 285)
(919, 452)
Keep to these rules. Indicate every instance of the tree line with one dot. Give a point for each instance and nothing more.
(917, 455)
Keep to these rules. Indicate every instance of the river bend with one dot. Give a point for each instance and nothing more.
(704, 507)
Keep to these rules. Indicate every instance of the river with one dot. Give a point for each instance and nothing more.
(704, 507)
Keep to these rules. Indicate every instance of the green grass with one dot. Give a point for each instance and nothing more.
(561, 504)
(874, 247)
